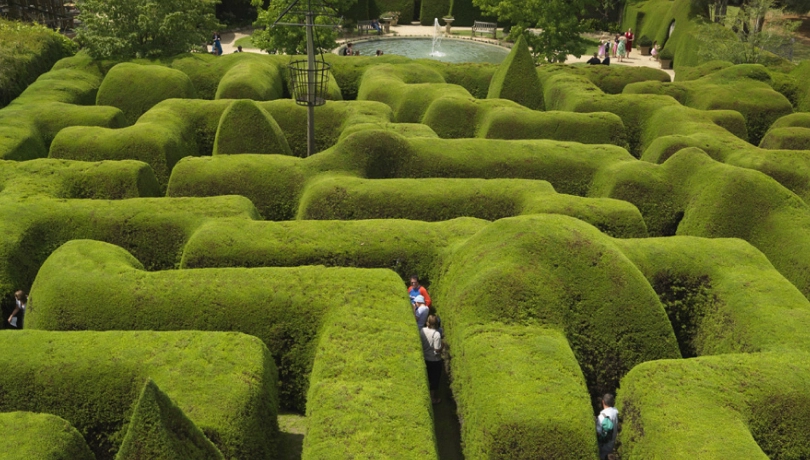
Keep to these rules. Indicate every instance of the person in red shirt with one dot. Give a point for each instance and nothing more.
(414, 289)
(629, 36)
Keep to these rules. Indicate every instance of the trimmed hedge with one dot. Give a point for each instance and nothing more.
(737, 406)
(693, 195)
(786, 139)
(28, 435)
(405, 8)
(252, 79)
(433, 9)
(722, 295)
(613, 79)
(586, 128)
(516, 79)
(159, 429)
(155, 229)
(244, 127)
(302, 314)
(224, 382)
(28, 51)
(761, 105)
(345, 198)
(567, 278)
(137, 88)
(394, 244)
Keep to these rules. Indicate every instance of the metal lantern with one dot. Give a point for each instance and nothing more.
(309, 83)
(309, 78)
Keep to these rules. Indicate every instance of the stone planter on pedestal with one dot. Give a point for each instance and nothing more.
(448, 22)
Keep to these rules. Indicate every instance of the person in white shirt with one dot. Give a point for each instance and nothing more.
(17, 316)
(420, 311)
(606, 430)
(432, 351)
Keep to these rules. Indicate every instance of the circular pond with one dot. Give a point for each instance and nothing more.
(448, 50)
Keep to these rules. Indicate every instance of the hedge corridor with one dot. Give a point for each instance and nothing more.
(195, 277)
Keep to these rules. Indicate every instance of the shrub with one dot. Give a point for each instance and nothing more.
(516, 78)
(786, 139)
(304, 329)
(28, 51)
(343, 198)
(744, 405)
(645, 41)
(432, 10)
(545, 314)
(30, 435)
(245, 127)
(224, 382)
(251, 79)
(137, 88)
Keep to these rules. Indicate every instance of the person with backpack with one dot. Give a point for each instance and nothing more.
(607, 426)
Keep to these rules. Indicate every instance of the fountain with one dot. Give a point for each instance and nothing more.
(437, 39)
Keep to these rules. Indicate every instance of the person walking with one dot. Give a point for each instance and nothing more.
(607, 427)
(622, 51)
(415, 289)
(629, 45)
(18, 315)
(432, 351)
(420, 311)
(217, 47)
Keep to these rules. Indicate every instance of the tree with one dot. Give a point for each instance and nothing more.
(750, 40)
(292, 39)
(558, 21)
(144, 28)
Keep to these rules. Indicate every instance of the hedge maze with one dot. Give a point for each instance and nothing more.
(194, 275)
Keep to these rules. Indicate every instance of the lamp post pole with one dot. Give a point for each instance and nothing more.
(311, 71)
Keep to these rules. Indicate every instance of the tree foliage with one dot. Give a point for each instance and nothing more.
(558, 24)
(145, 28)
(292, 39)
(747, 38)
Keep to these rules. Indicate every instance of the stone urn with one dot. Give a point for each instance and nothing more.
(645, 50)
(448, 22)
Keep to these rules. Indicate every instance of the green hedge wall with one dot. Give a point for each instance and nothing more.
(343, 198)
(690, 194)
(786, 139)
(721, 295)
(155, 229)
(432, 10)
(761, 105)
(28, 51)
(244, 127)
(252, 79)
(393, 244)
(224, 382)
(405, 8)
(566, 282)
(303, 328)
(466, 13)
(746, 406)
(29, 435)
(137, 88)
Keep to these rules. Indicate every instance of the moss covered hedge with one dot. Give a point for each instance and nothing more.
(223, 382)
(516, 78)
(32, 435)
(305, 329)
(28, 51)
(731, 406)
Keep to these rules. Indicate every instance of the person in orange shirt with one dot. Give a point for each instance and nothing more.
(414, 289)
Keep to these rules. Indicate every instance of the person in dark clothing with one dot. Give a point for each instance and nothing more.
(594, 60)
(606, 61)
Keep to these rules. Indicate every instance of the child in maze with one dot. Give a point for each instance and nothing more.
(432, 351)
